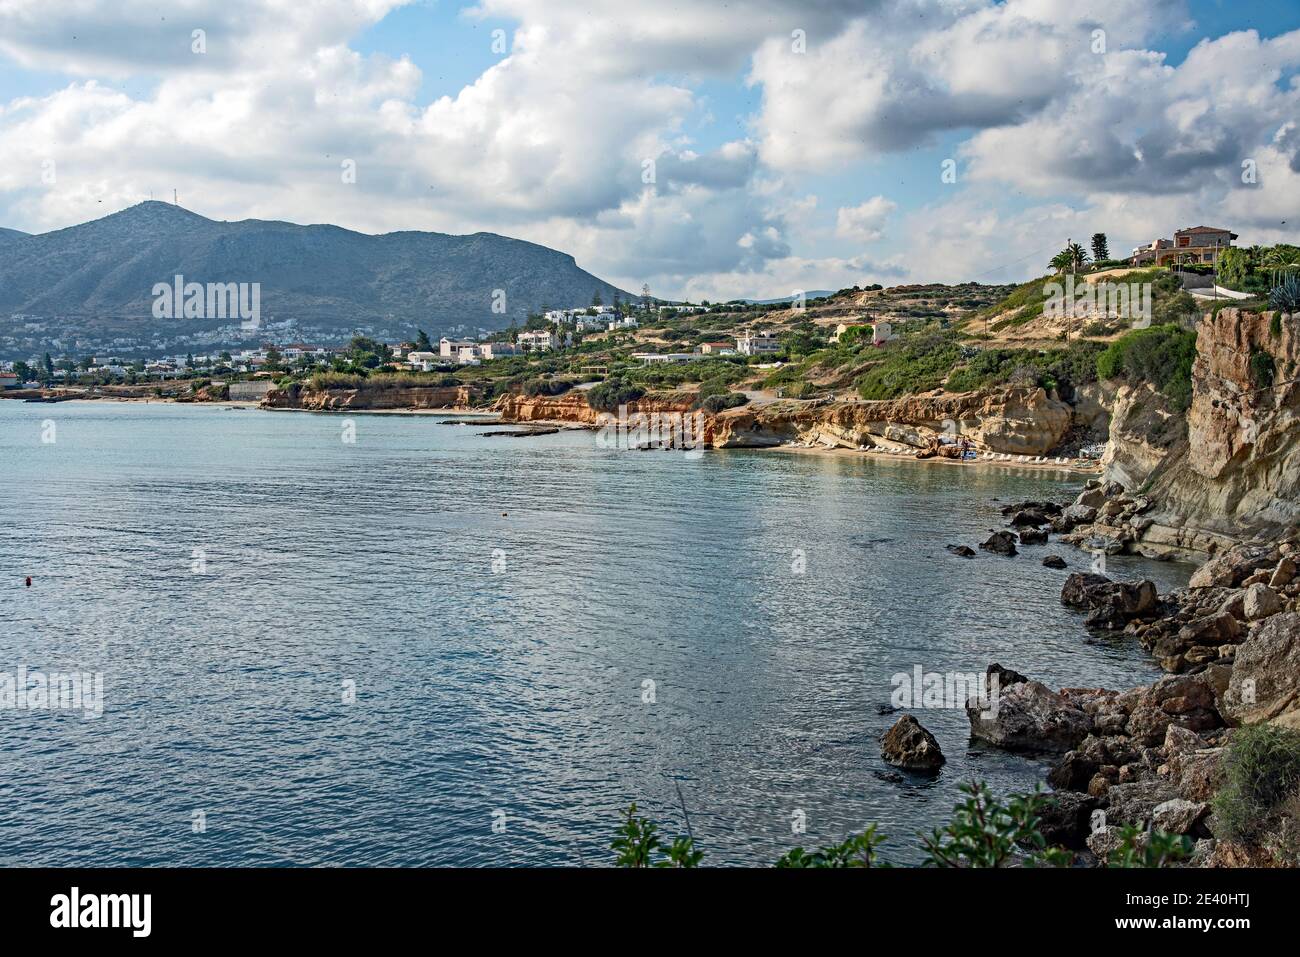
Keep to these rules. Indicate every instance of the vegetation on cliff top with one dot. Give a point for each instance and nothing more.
(1161, 355)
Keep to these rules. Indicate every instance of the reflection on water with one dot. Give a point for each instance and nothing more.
(534, 626)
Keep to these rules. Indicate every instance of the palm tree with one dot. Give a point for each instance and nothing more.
(1062, 261)
(1078, 256)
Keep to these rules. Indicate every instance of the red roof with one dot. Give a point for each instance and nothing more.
(1201, 229)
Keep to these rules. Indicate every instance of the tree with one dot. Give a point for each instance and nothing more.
(422, 343)
(24, 372)
(1078, 256)
(595, 298)
(1100, 247)
(1234, 266)
(48, 363)
(273, 358)
(1062, 261)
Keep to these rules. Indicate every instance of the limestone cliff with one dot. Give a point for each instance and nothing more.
(1023, 421)
(573, 407)
(1237, 474)
(1018, 421)
(365, 399)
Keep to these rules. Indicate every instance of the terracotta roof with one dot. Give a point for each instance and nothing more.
(1201, 229)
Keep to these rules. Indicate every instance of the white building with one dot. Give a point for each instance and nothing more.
(627, 322)
(539, 341)
(424, 361)
(757, 344)
(495, 350)
(468, 355)
(450, 348)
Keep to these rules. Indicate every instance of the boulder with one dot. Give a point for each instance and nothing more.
(1073, 772)
(965, 551)
(1075, 592)
(1283, 573)
(1260, 602)
(1028, 716)
(1000, 543)
(1179, 816)
(1065, 819)
(1054, 561)
(1265, 684)
(1080, 514)
(1111, 604)
(1031, 536)
(908, 745)
(1135, 803)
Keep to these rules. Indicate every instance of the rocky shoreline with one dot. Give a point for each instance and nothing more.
(1152, 756)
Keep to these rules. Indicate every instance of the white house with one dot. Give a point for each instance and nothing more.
(450, 348)
(495, 350)
(627, 322)
(757, 343)
(424, 361)
(539, 341)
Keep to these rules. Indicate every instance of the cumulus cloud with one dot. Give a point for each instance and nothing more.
(865, 222)
(575, 138)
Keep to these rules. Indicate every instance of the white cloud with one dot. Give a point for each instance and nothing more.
(865, 222)
(551, 142)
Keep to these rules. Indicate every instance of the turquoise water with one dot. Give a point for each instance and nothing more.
(235, 574)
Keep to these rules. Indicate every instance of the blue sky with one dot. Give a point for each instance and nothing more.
(776, 169)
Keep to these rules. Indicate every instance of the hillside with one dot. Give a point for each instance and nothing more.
(104, 271)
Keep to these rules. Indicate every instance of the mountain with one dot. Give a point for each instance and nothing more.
(8, 234)
(810, 294)
(322, 276)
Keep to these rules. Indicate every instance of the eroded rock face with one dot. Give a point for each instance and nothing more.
(1265, 683)
(1028, 716)
(1239, 470)
(909, 745)
(1018, 421)
(327, 400)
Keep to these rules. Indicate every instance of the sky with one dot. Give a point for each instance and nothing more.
(708, 149)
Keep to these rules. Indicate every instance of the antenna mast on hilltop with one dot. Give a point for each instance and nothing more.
(175, 201)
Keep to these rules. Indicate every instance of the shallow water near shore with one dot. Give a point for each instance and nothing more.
(499, 609)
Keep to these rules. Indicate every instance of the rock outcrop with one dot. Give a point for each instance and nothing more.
(1237, 474)
(1021, 421)
(1028, 716)
(1265, 684)
(910, 746)
(458, 398)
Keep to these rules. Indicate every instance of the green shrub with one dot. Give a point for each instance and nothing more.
(915, 364)
(718, 403)
(536, 387)
(985, 832)
(1261, 770)
(1154, 848)
(859, 850)
(1161, 355)
(1262, 369)
(638, 845)
(613, 392)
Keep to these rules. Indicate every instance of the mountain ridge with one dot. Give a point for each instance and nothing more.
(320, 273)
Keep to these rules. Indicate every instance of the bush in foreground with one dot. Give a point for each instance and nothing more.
(984, 832)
